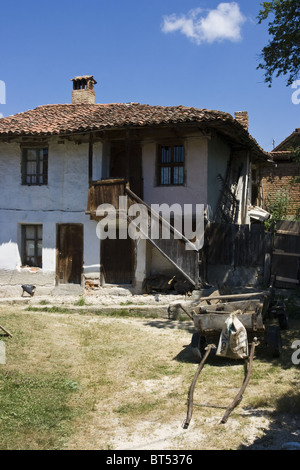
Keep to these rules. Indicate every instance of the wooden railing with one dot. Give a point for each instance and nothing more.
(105, 192)
(174, 249)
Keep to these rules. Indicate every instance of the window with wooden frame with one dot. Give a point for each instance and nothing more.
(35, 165)
(170, 165)
(32, 242)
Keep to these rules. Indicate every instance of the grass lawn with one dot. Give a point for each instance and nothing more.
(87, 381)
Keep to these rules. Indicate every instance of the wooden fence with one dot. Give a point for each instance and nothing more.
(236, 245)
(250, 246)
(286, 254)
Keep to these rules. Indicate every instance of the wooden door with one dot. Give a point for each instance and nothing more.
(126, 162)
(69, 253)
(117, 260)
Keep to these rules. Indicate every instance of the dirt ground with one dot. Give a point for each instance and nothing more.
(247, 428)
(130, 362)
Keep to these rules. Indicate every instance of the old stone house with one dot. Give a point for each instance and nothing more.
(59, 163)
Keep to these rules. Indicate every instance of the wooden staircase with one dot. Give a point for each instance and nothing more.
(177, 249)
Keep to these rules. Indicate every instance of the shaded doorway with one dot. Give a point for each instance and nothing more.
(126, 162)
(69, 245)
(117, 260)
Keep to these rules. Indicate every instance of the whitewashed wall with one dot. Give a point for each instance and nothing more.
(195, 188)
(62, 200)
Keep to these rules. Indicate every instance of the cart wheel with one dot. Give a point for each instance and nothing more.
(197, 345)
(283, 320)
(274, 340)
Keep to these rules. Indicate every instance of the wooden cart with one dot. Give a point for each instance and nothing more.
(262, 319)
(257, 312)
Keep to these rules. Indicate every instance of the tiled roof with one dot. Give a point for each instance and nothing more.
(60, 119)
(292, 140)
(69, 118)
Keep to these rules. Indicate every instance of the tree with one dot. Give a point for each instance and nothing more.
(282, 54)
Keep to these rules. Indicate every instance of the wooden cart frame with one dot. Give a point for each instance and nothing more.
(257, 312)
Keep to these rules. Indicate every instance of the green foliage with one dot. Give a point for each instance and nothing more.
(278, 207)
(296, 153)
(281, 55)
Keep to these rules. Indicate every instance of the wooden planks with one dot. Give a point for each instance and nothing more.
(69, 263)
(286, 254)
(216, 321)
(105, 192)
(236, 245)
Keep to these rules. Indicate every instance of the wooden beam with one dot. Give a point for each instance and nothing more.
(284, 253)
(5, 331)
(91, 144)
(236, 296)
(287, 279)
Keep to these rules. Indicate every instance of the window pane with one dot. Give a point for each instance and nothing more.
(165, 154)
(30, 155)
(178, 175)
(41, 167)
(165, 177)
(30, 232)
(178, 154)
(39, 246)
(29, 248)
(40, 232)
(35, 165)
(32, 245)
(31, 168)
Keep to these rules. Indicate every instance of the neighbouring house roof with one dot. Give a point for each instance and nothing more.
(283, 150)
(62, 119)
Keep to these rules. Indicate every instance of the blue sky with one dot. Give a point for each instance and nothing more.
(161, 52)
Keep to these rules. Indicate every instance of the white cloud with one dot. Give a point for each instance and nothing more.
(222, 23)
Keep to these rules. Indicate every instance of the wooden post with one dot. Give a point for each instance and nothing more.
(239, 396)
(192, 388)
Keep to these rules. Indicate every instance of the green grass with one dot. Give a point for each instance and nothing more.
(37, 405)
(121, 313)
(53, 309)
(80, 302)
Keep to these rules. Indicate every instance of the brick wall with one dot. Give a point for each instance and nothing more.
(83, 96)
(274, 179)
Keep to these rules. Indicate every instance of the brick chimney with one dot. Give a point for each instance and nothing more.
(242, 118)
(83, 90)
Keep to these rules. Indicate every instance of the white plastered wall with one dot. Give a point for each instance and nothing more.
(194, 191)
(62, 200)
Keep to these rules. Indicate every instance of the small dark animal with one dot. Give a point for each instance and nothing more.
(29, 289)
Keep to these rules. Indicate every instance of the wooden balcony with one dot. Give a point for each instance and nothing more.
(105, 192)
